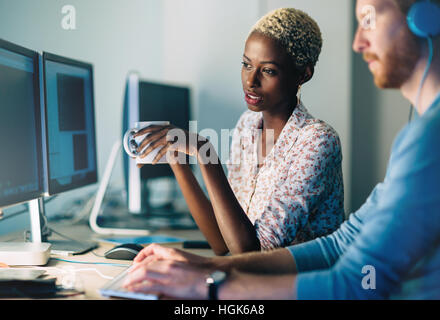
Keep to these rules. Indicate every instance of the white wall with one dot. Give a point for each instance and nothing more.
(115, 36)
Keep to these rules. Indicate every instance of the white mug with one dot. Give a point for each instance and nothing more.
(131, 143)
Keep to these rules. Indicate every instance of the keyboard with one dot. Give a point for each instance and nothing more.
(114, 289)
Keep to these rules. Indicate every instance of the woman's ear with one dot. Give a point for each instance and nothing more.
(308, 74)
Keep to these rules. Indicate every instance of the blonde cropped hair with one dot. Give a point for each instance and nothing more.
(295, 31)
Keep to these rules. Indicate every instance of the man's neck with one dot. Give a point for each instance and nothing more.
(431, 86)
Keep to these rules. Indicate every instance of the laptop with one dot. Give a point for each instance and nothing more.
(115, 289)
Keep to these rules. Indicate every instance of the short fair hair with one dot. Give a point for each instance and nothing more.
(296, 32)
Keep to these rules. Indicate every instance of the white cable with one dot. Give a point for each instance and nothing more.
(425, 74)
(71, 269)
(97, 271)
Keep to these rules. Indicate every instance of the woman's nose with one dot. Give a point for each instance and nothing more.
(252, 79)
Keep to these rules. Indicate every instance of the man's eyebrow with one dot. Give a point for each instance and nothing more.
(264, 62)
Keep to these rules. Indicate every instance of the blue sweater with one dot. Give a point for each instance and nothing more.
(390, 247)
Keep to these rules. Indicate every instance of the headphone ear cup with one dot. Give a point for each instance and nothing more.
(424, 19)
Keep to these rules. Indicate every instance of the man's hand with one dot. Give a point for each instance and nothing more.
(170, 278)
(177, 279)
(155, 252)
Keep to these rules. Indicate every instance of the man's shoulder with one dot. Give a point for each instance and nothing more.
(426, 129)
(420, 138)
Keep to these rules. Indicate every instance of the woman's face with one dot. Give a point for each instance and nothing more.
(270, 81)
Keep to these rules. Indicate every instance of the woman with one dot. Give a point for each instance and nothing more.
(284, 182)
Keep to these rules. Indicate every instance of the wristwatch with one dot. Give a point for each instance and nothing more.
(213, 281)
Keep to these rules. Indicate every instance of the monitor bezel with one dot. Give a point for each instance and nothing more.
(50, 188)
(34, 55)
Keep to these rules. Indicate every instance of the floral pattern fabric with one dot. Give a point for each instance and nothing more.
(297, 193)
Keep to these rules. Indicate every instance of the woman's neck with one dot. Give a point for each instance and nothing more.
(273, 124)
(276, 120)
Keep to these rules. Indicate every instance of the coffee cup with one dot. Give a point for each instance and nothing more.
(131, 143)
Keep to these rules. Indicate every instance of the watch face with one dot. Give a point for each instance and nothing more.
(218, 276)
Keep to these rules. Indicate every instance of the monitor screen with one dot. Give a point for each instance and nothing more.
(70, 123)
(21, 163)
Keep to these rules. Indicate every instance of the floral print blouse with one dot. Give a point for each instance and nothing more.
(297, 192)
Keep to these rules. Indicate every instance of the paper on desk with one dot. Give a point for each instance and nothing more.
(144, 239)
(19, 274)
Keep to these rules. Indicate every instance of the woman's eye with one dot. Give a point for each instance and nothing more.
(246, 65)
(270, 72)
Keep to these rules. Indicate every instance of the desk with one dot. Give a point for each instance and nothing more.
(87, 276)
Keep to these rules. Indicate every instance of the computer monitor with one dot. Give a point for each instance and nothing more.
(21, 164)
(70, 146)
(150, 101)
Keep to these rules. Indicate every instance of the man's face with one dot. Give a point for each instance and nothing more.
(387, 45)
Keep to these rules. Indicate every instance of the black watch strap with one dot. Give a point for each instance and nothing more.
(214, 280)
(213, 291)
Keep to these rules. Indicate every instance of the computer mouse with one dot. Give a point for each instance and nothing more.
(126, 251)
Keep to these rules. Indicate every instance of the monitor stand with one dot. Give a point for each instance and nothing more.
(24, 253)
(93, 219)
(134, 225)
(33, 253)
(40, 233)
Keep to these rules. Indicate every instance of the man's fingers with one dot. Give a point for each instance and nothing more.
(149, 287)
(145, 252)
(137, 264)
(157, 270)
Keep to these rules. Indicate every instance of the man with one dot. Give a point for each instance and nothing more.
(389, 248)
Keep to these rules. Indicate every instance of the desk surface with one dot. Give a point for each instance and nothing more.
(89, 278)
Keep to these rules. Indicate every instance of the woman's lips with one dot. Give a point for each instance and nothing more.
(252, 98)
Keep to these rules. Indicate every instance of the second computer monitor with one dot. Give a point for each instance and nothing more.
(70, 122)
(150, 101)
(21, 164)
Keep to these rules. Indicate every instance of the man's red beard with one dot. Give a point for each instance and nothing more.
(398, 63)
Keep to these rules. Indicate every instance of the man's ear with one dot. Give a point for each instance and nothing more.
(308, 74)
